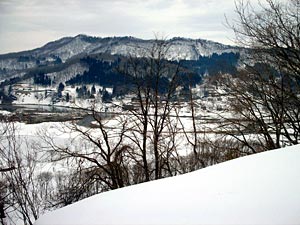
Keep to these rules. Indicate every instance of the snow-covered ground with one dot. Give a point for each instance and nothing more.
(68, 47)
(257, 189)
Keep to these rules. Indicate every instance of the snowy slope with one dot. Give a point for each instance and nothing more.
(180, 48)
(258, 189)
(68, 47)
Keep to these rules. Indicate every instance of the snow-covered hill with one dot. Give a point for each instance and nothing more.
(68, 47)
(258, 189)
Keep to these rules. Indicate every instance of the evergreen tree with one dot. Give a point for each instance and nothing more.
(41, 79)
(60, 88)
(93, 90)
(67, 97)
(106, 97)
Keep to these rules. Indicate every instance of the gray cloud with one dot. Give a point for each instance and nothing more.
(26, 24)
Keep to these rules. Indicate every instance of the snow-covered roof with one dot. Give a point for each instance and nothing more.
(258, 189)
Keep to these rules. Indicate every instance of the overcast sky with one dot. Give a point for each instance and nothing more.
(27, 24)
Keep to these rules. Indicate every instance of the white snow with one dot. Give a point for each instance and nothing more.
(4, 112)
(66, 48)
(258, 189)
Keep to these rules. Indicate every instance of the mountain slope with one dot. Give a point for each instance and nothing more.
(258, 189)
(68, 47)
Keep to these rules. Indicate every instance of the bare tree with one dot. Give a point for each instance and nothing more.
(100, 150)
(266, 90)
(272, 31)
(154, 83)
(20, 161)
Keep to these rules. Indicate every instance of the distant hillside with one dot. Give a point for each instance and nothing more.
(63, 49)
(91, 60)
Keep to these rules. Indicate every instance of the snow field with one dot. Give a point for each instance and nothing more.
(258, 189)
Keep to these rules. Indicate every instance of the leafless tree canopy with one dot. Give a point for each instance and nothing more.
(273, 32)
(267, 87)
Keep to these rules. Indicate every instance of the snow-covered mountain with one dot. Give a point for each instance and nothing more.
(92, 60)
(68, 47)
(258, 189)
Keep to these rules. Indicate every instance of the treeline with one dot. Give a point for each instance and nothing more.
(106, 73)
(41, 79)
(214, 64)
(100, 72)
(109, 74)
